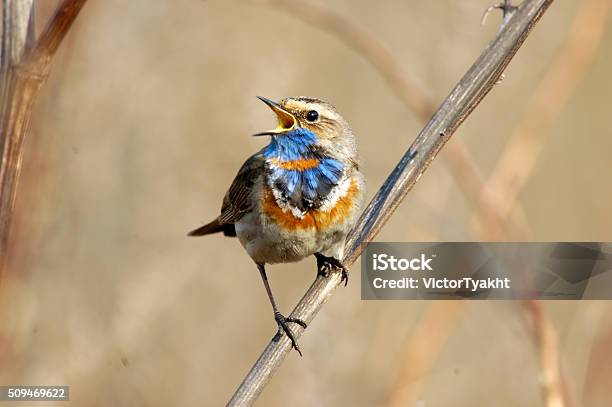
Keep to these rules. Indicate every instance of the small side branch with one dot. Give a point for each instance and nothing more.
(458, 105)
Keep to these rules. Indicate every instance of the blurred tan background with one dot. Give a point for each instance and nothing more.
(143, 123)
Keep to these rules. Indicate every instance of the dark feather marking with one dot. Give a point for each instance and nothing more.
(237, 201)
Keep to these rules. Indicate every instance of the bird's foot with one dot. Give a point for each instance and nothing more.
(326, 264)
(283, 326)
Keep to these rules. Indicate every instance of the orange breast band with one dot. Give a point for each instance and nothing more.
(300, 164)
(318, 219)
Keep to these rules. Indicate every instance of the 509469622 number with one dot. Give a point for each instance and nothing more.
(34, 393)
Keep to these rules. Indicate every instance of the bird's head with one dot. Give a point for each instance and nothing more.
(304, 120)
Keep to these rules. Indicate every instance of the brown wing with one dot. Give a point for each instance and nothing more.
(237, 200)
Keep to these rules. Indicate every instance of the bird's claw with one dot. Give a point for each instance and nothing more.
(326, 264)
(283, 326)
(344, 277)
(507, 8)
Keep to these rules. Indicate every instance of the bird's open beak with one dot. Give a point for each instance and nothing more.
(286, 121)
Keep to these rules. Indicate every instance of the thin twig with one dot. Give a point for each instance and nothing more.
(23, 86)
(546, 104)
(463, 99)
(556, 389)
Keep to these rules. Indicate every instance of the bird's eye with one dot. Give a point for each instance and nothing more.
(312, 116)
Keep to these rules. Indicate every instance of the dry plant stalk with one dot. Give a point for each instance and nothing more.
(558, 83)
(556, 389)
(22, 87)
(462, 100)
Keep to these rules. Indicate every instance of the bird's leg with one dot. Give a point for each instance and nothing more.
(280, 319)
(326, 264)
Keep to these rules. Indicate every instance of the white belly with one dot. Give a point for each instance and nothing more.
(268, 243)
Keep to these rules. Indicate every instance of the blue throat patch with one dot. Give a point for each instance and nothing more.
(294, 145)
(308, 188)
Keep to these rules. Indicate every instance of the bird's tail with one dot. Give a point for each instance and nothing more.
(228, 229)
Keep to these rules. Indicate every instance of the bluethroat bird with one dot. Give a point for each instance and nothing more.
(298, 196)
